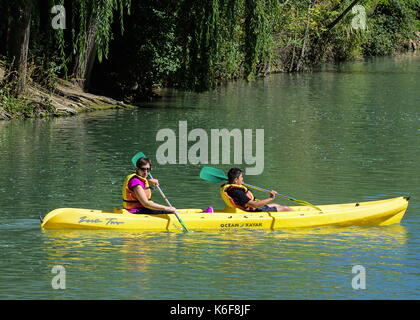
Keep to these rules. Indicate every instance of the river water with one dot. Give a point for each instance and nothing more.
(347, 133)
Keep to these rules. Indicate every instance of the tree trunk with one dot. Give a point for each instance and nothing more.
(305, 38)
(5, 17)
(68, 33)
(83, 65)
(19, 41)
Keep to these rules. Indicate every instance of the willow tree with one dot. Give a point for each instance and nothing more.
(87, 35)
(199, 35)
(219, 37)
(258, 34)
(93, 22)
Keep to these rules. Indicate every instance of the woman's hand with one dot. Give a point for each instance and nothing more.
(273, 194)
(170, 209)
(153, 182)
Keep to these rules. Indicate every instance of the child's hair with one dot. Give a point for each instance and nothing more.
(233, 174)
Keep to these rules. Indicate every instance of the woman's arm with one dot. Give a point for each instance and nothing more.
(141, 196)
(261, 203)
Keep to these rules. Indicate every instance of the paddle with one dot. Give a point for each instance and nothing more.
(216, 175)
(134, 159)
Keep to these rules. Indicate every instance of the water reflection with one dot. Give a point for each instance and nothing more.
(232, 264)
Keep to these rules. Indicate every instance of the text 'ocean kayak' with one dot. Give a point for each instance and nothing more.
(378, 213)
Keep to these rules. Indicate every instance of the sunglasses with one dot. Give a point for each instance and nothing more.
(145, 169)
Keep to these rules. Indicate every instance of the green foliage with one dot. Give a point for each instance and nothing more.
(103, 12)
(151, 57)
(96, 16)
(258, 34)
(222, 40)
(346, 44)
(197, 45)
(20, 105)
(44, 72)
(13, 105)
(390, 24)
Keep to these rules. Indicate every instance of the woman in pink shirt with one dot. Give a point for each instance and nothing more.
(136, 191)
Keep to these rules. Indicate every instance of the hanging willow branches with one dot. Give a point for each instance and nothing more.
(210, 26)
(258, 33)
(94, 22)
(217, 40)
(199, 38)
(191, 44)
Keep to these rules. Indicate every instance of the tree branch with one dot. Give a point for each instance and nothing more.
(341, 16)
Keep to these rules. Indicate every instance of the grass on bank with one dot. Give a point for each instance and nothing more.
(48, 96)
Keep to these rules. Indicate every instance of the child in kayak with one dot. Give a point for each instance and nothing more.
(236, 195)
(136, 191)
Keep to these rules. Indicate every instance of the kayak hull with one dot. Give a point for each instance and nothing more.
(371, 213)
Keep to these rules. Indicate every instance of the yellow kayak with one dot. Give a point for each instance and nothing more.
(376, 213)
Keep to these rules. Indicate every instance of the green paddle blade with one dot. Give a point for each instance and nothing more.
(212, 174)
(136, 157)
(216, 175)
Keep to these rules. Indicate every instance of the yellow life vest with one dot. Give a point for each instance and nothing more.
(130, 200)
(230, 203)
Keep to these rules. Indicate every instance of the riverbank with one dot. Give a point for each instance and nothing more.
(66, 99)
